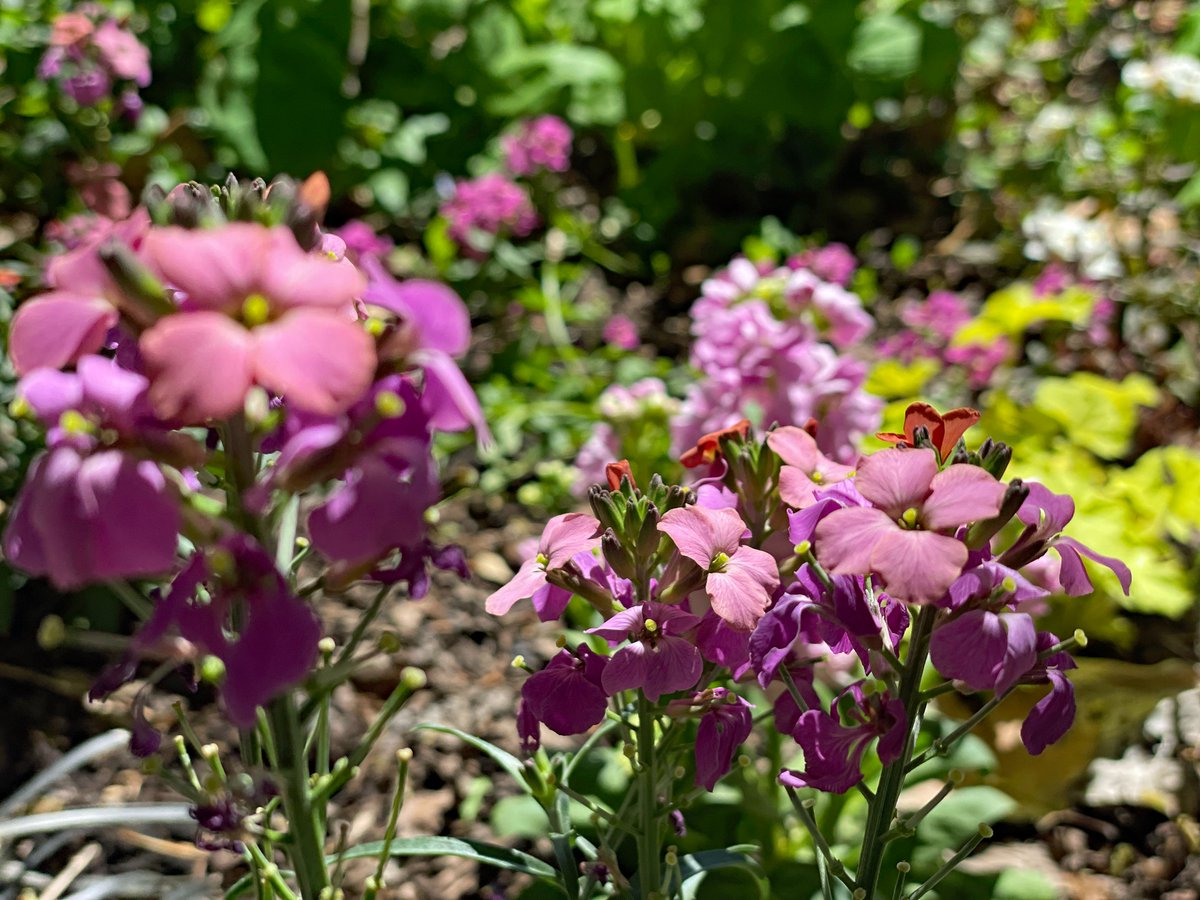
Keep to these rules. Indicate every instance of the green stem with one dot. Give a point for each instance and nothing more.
(649, 873)
(306, 849)
(883, 810)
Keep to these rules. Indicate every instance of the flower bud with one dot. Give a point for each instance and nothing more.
(649, 536)
(619, 559)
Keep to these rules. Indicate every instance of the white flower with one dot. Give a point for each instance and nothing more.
(1052, 232)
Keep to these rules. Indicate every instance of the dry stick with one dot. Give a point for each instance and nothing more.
(89, 750)
(98, 817)
(72, 870)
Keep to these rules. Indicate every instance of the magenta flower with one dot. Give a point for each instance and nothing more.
(740, 579)
(433, 327)
(491, 205)
(563, 537)
(82, 518)
(1045, 515)
(1053, 715)
(257, 310)
(985, 650)
(721, 643)
(657, 659)
(833, 752)
(362, 241)
(805, 468)
(899, 537)
(940, 315)
(620, 332)
(275, 646)
(543, 143)
(725, 725)
(566, 696)
(91, 509)
(979, 360)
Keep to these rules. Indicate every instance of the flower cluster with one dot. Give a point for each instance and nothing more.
(196, 367)
(484, 208)
(536, 145)
(1178, 74)
(90, 53)
(930, 326)
(1068, 235)
(790, 571)
(769, 340)
(634, 419)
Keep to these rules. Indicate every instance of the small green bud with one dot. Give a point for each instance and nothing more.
(51, 633)
(413, 678)
(212, 670)
(803, 548)
(389, 404)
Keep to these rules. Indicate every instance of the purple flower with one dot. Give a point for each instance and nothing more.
(899, 537)
(657, 659)
(941, 315)
(275, 645)
(1045, 515)
(740, 579)
(489, 205)
(1053, 715)
(979, 360)
(566, 696)
(726, 723)
(721, 643)
(543, 143)
(562, 538)
(362, 241)
(89, 86)
(620, 332)
(836, 313)
(985, 650)
(833, 751)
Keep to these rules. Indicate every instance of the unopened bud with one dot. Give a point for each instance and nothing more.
(389, 404)
(803, 548)
(326, 646)
(388, 642)
(212, 670)
(985, 830)
(51, 633)
(413, 678)
(1081, 637)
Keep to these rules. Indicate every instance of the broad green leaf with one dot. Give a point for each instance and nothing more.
(886, 46)
(519, 815)
(1095, 412)
(1012, 311)
(891, 378)
(695, 866)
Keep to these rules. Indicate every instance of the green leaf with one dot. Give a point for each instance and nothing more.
(695, 866)
(519, 815)
(503, 758)
(1095, 412)
(886, 46)
(480, 851)
(1024, 884)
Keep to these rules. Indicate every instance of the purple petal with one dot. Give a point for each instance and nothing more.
(318, 360)
(673, 664)
(1073, 574)
(200, 366)
(55, 329)
(701, 533)
(1052, 716)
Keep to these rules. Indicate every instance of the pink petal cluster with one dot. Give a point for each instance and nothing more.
(901, 536)
(488, 206)
(90, 51)
(539, 144)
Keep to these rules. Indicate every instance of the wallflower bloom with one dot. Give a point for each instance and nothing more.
(276, 644)
(257, 310)
(725, 725)
(657, 659)
(740, 579)
(1045, 515)
(563, 537)
(542, 143)
(899, 537)
(833, 752)
(1053, 715)
(566, 696)
(805, 468)
(833, 262)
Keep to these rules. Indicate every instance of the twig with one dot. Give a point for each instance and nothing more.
(72, 870)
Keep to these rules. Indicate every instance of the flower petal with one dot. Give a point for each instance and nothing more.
(795, 446)
(961, 494)
(701, 533)
(529, 579)
(218, 268)
(56, 329)
(1073, 575)
(1051, 717)
(319, 361)
(566, 535)
(896, 480)
(293, 278)
(918, 566)
(844, 539)
(200, 366)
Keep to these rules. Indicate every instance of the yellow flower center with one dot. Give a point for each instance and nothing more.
(389, 404)
(909, 517)
(542, 560)
(255, 310)
(718, 562)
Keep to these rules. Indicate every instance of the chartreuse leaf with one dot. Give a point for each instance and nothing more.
(891, 378)
(1013, 310)
(503, 758)
(1095, 412)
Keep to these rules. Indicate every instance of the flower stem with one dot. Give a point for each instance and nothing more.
(883, 810)
(306, 849)
(648, 856)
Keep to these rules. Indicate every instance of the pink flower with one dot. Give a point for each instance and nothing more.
(566, 696)
(805, 468)
(563, 537)
(257, 310)
(621, 332)
(122, 53)
(899, 537)
(658, 659)
(740, 579)
(489, 205)
(833, 262)
(725, 725)
(538, 144)
(941, 315)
